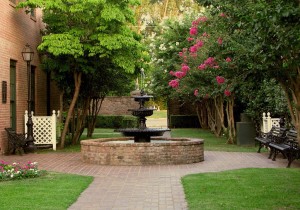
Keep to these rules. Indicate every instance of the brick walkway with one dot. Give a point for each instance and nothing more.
(142, 187)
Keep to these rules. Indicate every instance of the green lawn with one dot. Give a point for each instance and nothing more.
(211, 142)
(52, 191)
(159, 114)
(244, 189)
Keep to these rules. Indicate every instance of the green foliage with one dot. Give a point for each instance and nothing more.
(268, 97)
(250, 188)
(184, 121)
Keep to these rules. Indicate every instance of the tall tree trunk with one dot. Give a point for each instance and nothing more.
(94, 110)
(81, 120)
(230, 120)
(202, 114)
(292, 92)
(77, 80)
(219, 108)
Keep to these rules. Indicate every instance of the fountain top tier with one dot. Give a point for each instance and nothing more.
(142, 133)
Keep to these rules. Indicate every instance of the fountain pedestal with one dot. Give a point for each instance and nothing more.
(142, 134)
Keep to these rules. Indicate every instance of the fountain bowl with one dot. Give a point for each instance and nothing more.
(160, 151)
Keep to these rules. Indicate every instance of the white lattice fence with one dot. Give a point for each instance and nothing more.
(269, 122)
(44, 128)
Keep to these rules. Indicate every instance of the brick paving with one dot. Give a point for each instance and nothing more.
(142, 187)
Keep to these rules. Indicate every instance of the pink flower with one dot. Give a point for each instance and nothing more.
(227, 92)
(172, 73)
(202, 66)
(184, 50)
(174, 83)
(185, 68)
(193, 55)
(228, 59)
(193, 31)
(202, 19)
(180, 74)
(216, 67)
(199, 43)
(196, 92)
(190, 39)
(222, 15)
(180, 54)
(220, 80)
(205, 34)
(220, 41)
(209, 61)
(193, 49)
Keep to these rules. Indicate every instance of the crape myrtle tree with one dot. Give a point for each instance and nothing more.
(80, 30)
(274, 28)
(202, 68)
(208, 73)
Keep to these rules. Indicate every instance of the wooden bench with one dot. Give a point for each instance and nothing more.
(16, 142)
(264, 139)
(287, 146)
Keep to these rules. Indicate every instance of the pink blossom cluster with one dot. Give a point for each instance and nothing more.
(209, 62)
(195, 23)
(227, 92)
(174, 83)
(220, 80)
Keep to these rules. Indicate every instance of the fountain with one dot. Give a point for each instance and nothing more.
(142, 133)
(142, 145)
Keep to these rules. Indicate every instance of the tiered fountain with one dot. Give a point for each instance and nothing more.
(142, 133)
(142, 145)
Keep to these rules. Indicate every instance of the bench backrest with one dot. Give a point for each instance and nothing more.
(278, 134)
(277, 131)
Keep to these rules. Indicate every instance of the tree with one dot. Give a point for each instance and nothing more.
(273, 27)
(81, 30)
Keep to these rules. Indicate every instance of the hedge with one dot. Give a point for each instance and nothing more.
(184, 121)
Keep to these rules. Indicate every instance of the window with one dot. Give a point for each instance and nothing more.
(13, 118)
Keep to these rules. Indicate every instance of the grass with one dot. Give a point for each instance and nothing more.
(159, 114)
(244, 189)
(211, 142)
(52, 191)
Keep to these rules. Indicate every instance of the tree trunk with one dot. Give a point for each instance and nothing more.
(292, 92)
(81, 120)
(202, 114)
(219, 109)
(230, 120)
(77, 80)
(94, 110)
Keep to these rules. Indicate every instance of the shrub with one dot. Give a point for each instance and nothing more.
(184, 121)
(16, 171)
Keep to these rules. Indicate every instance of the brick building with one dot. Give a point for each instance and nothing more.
(16, 30)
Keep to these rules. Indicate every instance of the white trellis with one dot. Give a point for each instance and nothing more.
(44, 128)
(269, 122)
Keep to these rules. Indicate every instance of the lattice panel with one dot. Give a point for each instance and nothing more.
(275, 122)
(42, 130)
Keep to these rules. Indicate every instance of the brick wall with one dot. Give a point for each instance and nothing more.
(118, 105)
(16, 29)
(177, 151)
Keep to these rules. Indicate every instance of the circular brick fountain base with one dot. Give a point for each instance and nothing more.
(160, 151)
